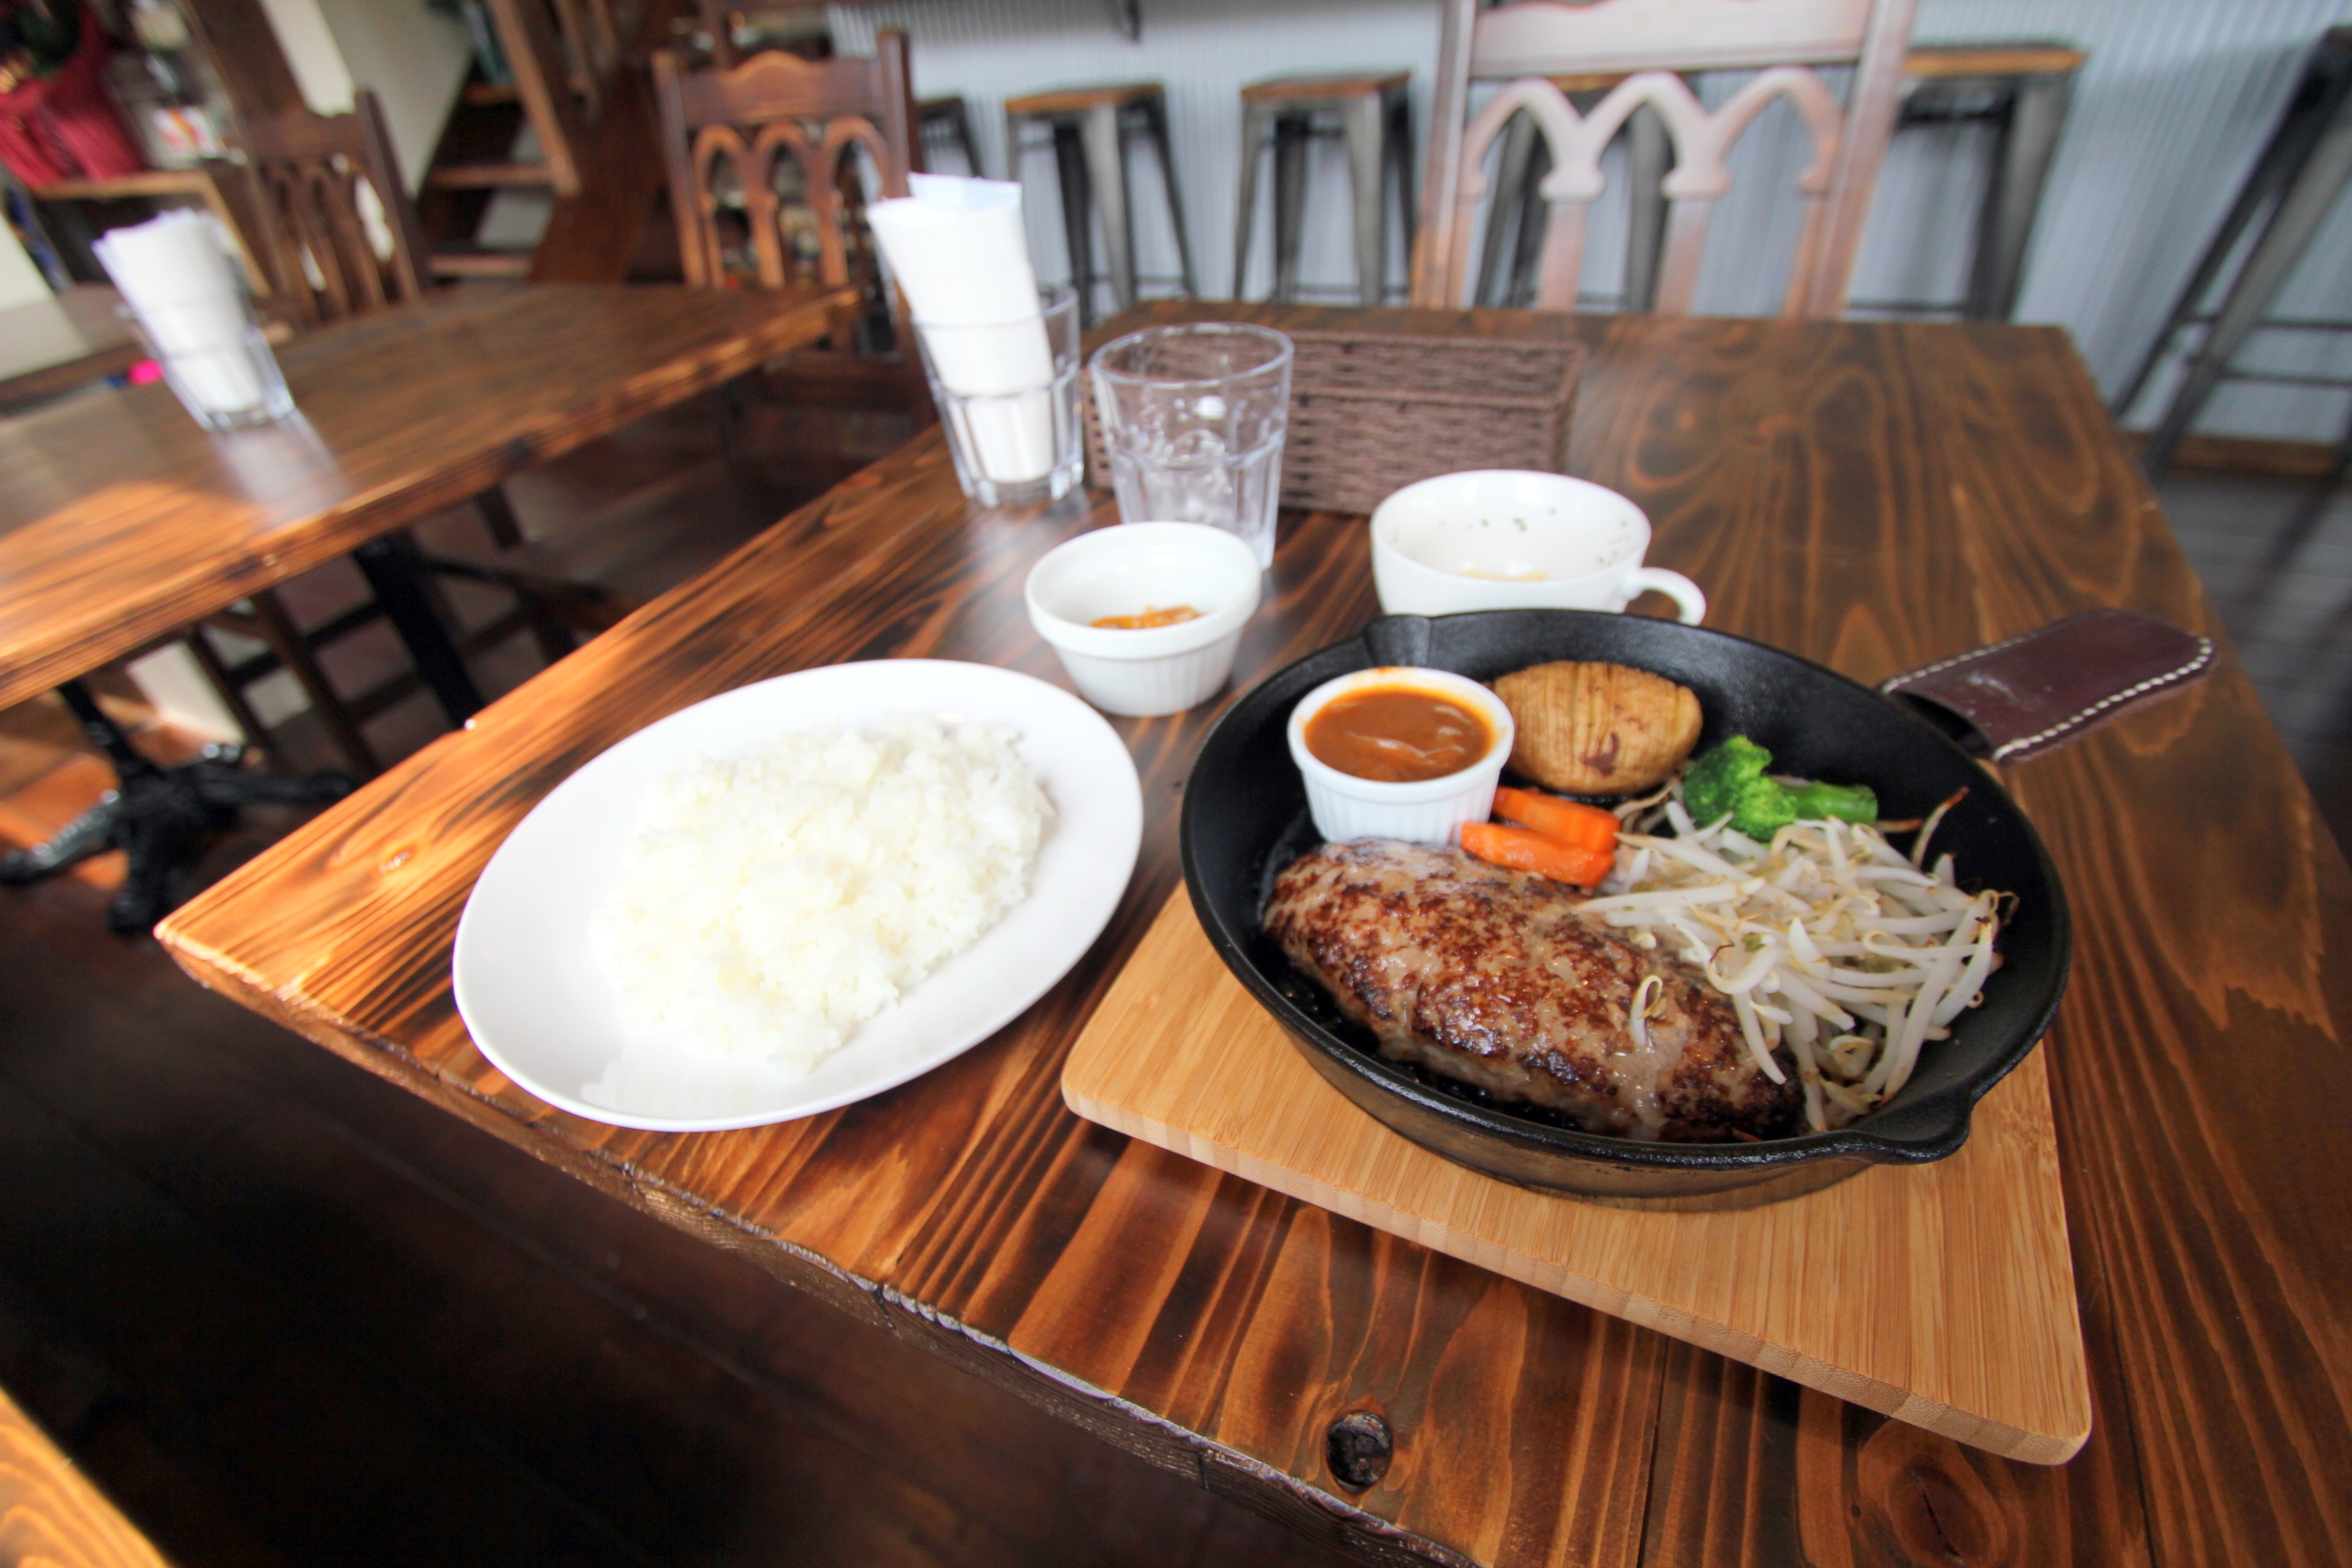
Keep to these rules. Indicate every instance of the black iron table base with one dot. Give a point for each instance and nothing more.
(397, 580)
(157, 815)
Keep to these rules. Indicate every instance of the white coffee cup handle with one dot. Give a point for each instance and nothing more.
(1673, 586)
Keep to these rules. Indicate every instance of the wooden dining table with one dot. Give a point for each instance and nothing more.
(1872, 496)
(122, 520)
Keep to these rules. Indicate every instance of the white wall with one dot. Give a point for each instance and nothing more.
(312, 53)
(2169, 114)
(413, 57)
(21, 282)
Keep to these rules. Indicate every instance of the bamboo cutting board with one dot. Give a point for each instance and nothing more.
(1942, 1295)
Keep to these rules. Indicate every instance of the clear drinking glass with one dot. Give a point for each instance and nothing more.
(1192, 420)
(1010, 401)
(215, 359)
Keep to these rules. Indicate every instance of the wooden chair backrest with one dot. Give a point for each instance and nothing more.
(306, 171)
(771, 105)
(1526, 43)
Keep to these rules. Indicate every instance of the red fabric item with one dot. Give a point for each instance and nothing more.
(64, 127)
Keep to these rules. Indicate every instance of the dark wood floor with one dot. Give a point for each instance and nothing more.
(286, 1314)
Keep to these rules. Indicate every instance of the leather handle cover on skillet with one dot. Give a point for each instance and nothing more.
(2036, 693)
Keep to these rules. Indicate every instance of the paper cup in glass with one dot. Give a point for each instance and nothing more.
(1007, 394)
(1192, 421)
(214, 357)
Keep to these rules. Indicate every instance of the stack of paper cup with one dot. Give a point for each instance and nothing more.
(173, 271)
(958, 249)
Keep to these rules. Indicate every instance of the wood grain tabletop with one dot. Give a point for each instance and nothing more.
(1873, 496)
(51, 1515)
(122, 520)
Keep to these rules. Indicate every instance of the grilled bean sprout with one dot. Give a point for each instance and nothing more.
(1828, 941)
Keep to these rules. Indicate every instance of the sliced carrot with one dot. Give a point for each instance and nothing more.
(1570, 822)
(1523, 850)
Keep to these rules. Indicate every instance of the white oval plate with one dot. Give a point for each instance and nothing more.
(537, 1004)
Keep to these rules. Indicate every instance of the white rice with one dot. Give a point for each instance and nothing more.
(768, 905)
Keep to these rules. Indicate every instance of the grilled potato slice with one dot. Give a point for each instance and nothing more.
(1598, 728)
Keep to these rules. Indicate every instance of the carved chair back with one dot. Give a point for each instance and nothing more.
(1526, 44)
(775, 106)
(328, 255)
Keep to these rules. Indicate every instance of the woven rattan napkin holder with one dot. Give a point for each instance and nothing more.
(1372, 413)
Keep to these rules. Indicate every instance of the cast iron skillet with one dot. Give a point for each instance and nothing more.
(1246, 817)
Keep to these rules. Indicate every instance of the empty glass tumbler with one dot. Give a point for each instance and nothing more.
(1192, 421)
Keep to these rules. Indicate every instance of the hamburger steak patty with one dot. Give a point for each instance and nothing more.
(1490, 977)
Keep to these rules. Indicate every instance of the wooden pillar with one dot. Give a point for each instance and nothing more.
(243, 48)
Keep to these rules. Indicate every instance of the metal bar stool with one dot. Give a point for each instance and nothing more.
(1375, 115)
(1092, 127)
(2302, 171)
(2022, 89)
(946, 120)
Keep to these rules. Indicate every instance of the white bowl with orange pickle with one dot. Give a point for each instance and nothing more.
(1440, 739)
(1145, 616)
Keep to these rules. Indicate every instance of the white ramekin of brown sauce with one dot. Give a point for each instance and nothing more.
(1399, 752)
(1146, 616)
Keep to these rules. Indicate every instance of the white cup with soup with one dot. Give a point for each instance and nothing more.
(1506, 539)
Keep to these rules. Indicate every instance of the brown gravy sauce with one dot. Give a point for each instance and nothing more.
(1397, 734)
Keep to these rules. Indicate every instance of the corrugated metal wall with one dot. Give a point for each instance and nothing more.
(2167, 116)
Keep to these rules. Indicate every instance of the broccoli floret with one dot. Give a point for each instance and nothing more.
(1729, 782)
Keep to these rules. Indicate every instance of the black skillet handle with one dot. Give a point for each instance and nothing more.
(1399, 639)
(2037, 692)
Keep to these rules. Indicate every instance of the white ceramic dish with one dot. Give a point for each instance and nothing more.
(1506, 539)
(1126, 570)
(537, 1004)
(1429, 811)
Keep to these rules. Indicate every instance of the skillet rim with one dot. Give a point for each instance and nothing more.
(1931, 1129)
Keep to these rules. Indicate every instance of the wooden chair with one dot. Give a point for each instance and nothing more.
(786, 128)
(772, 107)
(1524, 44)
(331, 258)
(2017, 92)
(327, 261)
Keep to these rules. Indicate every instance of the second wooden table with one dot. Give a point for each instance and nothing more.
(122, 520)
